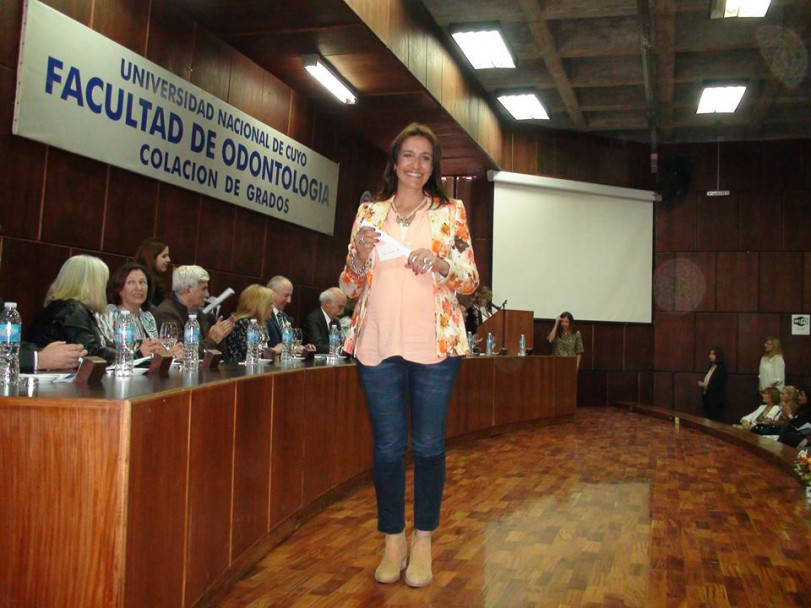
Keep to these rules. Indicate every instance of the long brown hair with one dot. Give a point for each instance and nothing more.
(433, 187)
(145, 255)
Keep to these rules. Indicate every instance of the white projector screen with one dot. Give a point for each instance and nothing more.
(560, 245)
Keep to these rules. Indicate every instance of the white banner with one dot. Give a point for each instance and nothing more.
(82, 92)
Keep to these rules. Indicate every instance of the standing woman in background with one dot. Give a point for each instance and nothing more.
(772, 372)
(713, 387)
(408, 337)
(565, 340)
(153, 255)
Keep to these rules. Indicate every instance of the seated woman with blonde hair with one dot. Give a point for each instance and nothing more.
(255, 302)
(70, 304)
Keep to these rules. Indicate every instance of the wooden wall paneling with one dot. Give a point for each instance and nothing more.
(564, 372)
(477, 195)
(123, 22)
(737, 282)
(287, 447)
(525, 153)
(436, 53)
(78, 10)
(525, 391)
(246, 86)
(400, 31)
(222, 280)
(592, 388)
(350, 409)
(178, 221)
(249, 242)
(796, 220)
(547, 161)
(663, 390)
(471, 405)
(587, 361)
(156, 501)
(274, 110)
(761, 213)
(323, 432)
(614, 162)
(73, 205)
(717, 223)
(375, 14)
(212, 63)
(646, 387)
(747, 167)
(695, 282)
(11, 13)
(675, 225)
(251, 506)
(753, 329)
(130, 211)
(575, 158)
(112, 261)
(215, 243)
(22, 260)
(674, 339)
(796, 349)
(686, 394)
(780, 281)
(622, 386)
(482, 251)
(741, 397)
(62, 499)
(211, 458)
(609, 346)
(664, 282)
(171, 39)
(22, 186)
(418, 55)
(638, 347)
(715, 329)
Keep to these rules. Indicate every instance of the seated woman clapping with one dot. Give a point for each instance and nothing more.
(70, 304)
(255, 302)
(128, 289)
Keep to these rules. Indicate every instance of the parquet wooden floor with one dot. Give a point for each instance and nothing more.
(616, 509)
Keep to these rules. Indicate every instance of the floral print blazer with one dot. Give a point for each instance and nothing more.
(451, 242)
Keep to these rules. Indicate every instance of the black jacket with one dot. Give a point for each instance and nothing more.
(314, 330)
(72, 322)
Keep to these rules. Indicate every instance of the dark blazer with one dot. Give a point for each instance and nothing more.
(171, 309)
(72, 322)
(314, 330)
(715, 393)
(274, 331)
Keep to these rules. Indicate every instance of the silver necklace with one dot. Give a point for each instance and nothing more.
(405, 222)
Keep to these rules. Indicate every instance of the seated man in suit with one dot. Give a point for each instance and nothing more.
(283, 294)
(189, 293)
(315, 328)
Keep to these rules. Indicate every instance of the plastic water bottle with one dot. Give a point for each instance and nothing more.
(253, 352)
(124, 344)
(191, 343)
(470, 342)
(522, 346)
(491, 344)
(334, 344)
(287, 342)
(10, 331)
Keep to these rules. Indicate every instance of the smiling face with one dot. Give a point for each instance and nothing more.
(195, 297)
(162, 260)
(283, 295)
(415, 163)
(133, 294)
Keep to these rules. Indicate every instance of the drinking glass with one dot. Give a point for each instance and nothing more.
(297, 338)
(168, 334)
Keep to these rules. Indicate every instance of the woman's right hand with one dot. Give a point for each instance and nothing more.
(365, 240)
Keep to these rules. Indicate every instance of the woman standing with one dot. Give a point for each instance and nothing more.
(72, 299)
(772, 372)
(565, 340)
(408, 335)
(153, 255)
(713, 387)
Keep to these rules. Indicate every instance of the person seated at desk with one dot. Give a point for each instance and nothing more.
(282, 296)
(189, 293)
(70, 304)
(793, 436)
(767, 412)
(316, 326)
(128, 289)
(255, 302)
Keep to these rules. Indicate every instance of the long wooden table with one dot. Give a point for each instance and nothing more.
(162, 492)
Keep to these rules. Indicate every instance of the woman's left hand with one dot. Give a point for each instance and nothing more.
(150, 346)
(423, 260)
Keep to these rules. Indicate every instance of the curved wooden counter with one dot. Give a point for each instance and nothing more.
(162, 492)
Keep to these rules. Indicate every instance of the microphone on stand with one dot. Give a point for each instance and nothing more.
(503, 304)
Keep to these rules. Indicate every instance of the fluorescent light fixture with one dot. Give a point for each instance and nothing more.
(720, 99)
(484, 46)
(324, 74)
(725, 9)
(523, 106)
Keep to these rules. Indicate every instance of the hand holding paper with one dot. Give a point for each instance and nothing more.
(387, 247)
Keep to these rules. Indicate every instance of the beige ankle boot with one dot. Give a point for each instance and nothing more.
(394, 559)
(419, 572)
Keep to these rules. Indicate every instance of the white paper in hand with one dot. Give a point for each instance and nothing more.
(388, 248)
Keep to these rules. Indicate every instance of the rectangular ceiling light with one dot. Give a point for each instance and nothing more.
(720, 99)
(524, 106)
(725, 9)
(326, 75)
(484, 47)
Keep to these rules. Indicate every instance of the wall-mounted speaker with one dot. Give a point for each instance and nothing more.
(674, 180)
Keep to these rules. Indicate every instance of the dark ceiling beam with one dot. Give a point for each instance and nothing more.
(546, 45)
(665, 33)
(646, 51)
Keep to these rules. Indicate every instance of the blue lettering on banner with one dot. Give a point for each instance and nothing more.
(181, 167)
